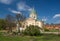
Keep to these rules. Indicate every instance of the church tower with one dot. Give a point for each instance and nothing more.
(33, 14)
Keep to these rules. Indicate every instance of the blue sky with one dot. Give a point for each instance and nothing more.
(47, 10)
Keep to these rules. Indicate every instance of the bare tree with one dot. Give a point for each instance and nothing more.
(10, 20)
(20, 18)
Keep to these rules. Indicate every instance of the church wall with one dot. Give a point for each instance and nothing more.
(38, 23)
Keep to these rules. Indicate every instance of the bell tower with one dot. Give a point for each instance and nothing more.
(33, 14)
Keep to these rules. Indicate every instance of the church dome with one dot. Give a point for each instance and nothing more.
(33, 14)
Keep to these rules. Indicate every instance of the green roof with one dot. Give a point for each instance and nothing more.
(33, 11)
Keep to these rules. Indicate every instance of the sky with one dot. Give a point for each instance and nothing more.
(47, 10)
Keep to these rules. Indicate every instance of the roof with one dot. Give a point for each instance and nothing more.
(33, 11)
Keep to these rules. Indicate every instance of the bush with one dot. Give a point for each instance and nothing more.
(32, 31)
(2, 24)
(45, 29)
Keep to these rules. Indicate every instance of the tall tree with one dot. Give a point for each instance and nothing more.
(20, 18)
(2, 24)
(10, 20)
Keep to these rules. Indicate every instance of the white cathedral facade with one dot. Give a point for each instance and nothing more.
(32, 20)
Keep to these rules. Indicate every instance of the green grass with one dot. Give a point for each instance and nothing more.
(30, 38)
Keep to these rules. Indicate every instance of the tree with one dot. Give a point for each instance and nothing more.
(32, 30)
(10, 22)
(2, 24)
(20, 18)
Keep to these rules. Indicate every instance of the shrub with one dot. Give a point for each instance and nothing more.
(45, 29)
(32, 31)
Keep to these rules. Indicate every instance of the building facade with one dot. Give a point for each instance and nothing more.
(53, 26)
(32, 20)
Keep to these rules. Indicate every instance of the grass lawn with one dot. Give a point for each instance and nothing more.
(30, 38)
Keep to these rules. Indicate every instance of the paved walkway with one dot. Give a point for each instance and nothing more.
(51, 32)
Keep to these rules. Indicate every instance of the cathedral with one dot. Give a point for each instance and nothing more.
(32, 20)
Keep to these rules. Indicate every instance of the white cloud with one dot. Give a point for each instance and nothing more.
(23, 7)
(6, 1)
(44, 19)
(13, 11)
(57, 15)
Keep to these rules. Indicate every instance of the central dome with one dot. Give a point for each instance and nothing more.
(33, 14)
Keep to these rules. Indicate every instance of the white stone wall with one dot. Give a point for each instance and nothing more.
(39, 23)
(33, 22)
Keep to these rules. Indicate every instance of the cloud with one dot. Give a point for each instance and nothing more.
(13, 11)
(23, 7)
(44, 19)
(57, 15)
(6, 1)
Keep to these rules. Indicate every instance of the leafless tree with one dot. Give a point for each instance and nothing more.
(20, 18)
(10, 21)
